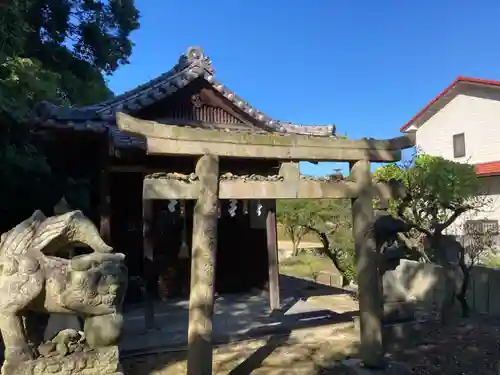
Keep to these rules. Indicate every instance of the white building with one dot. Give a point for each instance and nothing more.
(462, 124)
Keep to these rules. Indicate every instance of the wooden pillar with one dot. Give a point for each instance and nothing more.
(104, 205)
(104, 191)
(201, 300)
(370, 296)
(148, 262)
(272, 256)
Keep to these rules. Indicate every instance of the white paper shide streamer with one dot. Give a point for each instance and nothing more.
(233, 206)
(171, 205)
(184, 250)
(259, 208)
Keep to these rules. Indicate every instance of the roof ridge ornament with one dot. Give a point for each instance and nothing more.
(195, 54)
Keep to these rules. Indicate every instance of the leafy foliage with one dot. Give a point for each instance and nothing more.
(438, 191)
(26, 184)
(330, 220)
(55, 50)
(491, 261)
(13, 27)
(293, 214)
(23, 83)
(76, 39)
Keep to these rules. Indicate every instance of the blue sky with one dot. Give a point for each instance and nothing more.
(366, 66)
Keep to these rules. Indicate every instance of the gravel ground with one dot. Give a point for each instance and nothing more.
(470, 347)
(464, 347)
(311, 352)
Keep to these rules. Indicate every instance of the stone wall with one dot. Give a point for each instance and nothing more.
(425, 283)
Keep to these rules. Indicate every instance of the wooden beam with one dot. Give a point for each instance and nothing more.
(104, 206)
(201, 298)
(369, 286)
(104, 190)
(272, 256)
(235, 189)
(148, 263)
(170, 139)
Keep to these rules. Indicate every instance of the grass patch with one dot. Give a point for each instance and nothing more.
(305, 265)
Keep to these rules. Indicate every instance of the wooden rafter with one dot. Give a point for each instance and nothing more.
(210, 97)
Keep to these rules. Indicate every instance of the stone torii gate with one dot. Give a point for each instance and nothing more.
(207, 187)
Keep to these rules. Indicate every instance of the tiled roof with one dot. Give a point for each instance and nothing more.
(485, 169)
(192, 65)
(445, 92)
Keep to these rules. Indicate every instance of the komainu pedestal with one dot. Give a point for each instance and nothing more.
(86, 362)
(37, 279)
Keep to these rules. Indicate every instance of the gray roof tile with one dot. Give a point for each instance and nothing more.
(192, 65)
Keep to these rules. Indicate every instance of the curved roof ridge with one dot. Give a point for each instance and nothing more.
(193, 64)
(193, 56)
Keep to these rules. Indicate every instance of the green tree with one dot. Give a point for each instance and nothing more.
(13, 27)
(293, 215)
(27, 181)
(80, 39)
(56, 50)
(23, 83)
(438, 192)
(76, 39)
(330, 220)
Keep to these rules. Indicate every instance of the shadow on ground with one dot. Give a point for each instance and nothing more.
(464, 346)
(242, 316)
(300, 335)
(286, 353)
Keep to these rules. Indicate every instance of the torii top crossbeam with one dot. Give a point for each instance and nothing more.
(164, 139)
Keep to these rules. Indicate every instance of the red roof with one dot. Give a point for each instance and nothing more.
(486, 169)
(444, 92)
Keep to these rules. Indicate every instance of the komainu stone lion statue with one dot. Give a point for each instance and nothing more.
(37, 280)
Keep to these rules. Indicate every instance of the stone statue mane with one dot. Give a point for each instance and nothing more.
(37, 280)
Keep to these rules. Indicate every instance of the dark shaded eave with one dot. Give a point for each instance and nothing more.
(192, 65)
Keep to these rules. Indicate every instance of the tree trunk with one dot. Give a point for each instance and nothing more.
(326, 251)
(295, 247)
(461, 296)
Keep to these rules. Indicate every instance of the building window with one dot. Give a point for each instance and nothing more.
(459, 145)
(481, 226)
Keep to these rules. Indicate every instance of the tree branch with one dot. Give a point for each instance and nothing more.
(332, 255)
(439, 227)
(413, 246)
